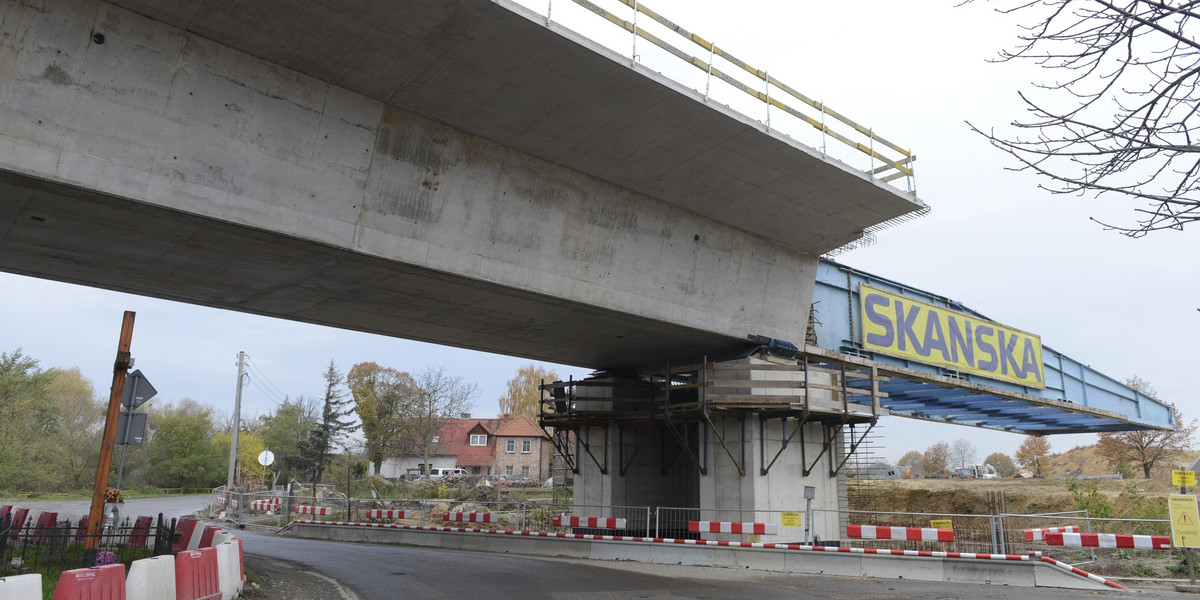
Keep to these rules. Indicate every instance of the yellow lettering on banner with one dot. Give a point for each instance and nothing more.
(1185, 521)
(921, 332)
(941, 524)
(1187, 478)
(792, 519)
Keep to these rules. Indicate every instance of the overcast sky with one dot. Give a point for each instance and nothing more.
(912, 71)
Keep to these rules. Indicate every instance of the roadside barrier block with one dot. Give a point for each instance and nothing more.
(97, 583)
(589, 522)
(141, 532)
(911, 534)
(380, 513)
(81, 530)
(1038, 534)
(241, 562)
(469, 517)
(221, 537)
(4, 510)
(196, 575)
(1110, 540)
(46, 521)
(18, 521)
(228, 565)
(313, 510)
(151, 579)
(184, 528)
(271, 504)
(730, 527)
(21, 587)
(206, 537)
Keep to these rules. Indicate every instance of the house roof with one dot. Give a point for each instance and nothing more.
(521, 426)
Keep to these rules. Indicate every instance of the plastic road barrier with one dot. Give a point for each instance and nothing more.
(1110, 540)
(380, 513)
(590, 522)
(911, 534)
(728, 527)
(469, 517)
(228, 574)
(1036, 535)
(184, 528)
(106, 582)
(151, 579)
(206, 536)
(21, 587)
(313, 510)
(196, 575)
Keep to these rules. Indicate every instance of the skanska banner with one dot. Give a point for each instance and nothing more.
(905, 328)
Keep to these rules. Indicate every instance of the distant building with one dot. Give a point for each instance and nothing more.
(505, 446)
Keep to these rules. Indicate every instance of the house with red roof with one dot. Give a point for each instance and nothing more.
(504, 446)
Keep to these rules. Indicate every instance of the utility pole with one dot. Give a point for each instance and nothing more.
(237, 425)
(120, 367)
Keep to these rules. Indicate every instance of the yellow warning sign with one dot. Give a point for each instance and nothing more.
(792, 518)
(1187, 478)
(1185, 521)
(941, 524)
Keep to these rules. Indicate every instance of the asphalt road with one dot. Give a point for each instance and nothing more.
(376, 572)
(170, 506)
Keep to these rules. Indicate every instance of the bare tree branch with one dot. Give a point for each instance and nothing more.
(1123, 120)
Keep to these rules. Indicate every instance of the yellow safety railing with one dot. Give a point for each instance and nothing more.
(889, 168)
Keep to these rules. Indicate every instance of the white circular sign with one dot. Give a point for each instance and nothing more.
(266, 457)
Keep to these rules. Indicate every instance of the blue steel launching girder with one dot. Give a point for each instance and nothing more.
(1076, 399)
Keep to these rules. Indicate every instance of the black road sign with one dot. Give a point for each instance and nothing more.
(137, 391)
(136, 432)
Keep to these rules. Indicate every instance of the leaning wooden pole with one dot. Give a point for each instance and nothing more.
(120, 369)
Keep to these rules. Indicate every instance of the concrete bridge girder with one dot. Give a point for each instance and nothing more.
(232, 182)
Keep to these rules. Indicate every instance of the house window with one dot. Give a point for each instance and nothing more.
(525, 471)
(508, 470)
(478, 440)
(526, 446)
(510, 446)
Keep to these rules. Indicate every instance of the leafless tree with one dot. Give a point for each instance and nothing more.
(963, 453)
(438, 397)
(1119, 110)
(1147, 447)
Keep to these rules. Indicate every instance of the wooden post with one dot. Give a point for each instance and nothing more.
(120, 369)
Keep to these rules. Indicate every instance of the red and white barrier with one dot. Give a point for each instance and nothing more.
(1037, 535)
(589, 522)
(20, 587)
(381, 513)
(184, 528)
(151, 578)
(105, 582)
(1110, 540)
(1081, 573)
(728, 527)
(206, 536)
(469, 517)
(911, 534)
(313, 510)
(269, 504)
(197, 576)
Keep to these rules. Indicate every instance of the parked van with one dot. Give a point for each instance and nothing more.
(436, 473)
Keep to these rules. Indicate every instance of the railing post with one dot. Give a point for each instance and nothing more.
(712, 49)
(992, 532)
(633, 55)
(656, 516)
(647, 521)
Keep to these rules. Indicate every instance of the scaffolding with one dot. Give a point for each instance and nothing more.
(695, 404)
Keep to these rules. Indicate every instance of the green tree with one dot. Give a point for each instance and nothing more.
(181, 453)
(317, 448)
(1004, 465)
(78, 431)
(523, 396)
(382, 396)
(282, 432)
(27, 424)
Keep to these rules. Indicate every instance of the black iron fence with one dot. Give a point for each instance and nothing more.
(52, 547)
